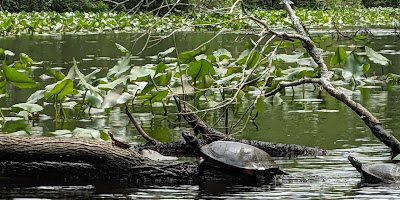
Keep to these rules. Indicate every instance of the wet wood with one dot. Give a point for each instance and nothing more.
(77, 159)
(65, 157)
(276, 150)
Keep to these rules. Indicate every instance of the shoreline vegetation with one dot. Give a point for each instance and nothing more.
(99, 22)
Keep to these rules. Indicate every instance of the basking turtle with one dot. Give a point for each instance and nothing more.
(235, 156)
(376, 173)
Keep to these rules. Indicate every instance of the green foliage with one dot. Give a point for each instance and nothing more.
(382, 3)
(17, 78)
(206, 77)
(200, 68)
(78, 22)
(29, 107)
(9, 74)
(354, 66)
(376, 57)
(339, 58)
(54, 5)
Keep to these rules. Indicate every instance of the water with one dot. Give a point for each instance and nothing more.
(305, 117)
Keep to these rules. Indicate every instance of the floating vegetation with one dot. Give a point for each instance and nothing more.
(82, 23)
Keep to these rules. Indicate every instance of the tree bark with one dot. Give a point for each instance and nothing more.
(276, 150)
(77, 159)
(371, 121)
(83, 159)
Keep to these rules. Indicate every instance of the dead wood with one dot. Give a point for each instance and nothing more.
(140, 130)
(77, 159)
(370, 121)
(83, 159)
(277, 150)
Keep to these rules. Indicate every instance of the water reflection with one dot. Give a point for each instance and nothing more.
(306, 116)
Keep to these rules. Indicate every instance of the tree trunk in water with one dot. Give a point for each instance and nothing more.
(83, 159)
(276, 150)
(78, 159)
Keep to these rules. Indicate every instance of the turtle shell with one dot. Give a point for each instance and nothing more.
(387, 172)
(239, 155)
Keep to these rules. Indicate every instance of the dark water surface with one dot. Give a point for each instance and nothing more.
(305, 117)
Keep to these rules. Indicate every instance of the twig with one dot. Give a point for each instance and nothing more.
(283, 85)
(140, 130)
(118, 143)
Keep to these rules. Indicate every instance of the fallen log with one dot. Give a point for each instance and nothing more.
(79, 159)
(276, 150)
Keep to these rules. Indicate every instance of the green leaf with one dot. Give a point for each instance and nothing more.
(17, 78)
(205, 82)
(324, 37)
(112, 99)
(3, 87)
(376, 57)
(298, 72)
(104, 136)
(121, 67)
(221, 54)
(260, 105)
(366, 68)
(122, 48)
(359, 38)
(36, 96)
(83, 80)
(188, 57)
(339, 58)
(4, 53)
(30, 107)
(289, 58)
(25, 60)
(141, 71)
(61, 89)
(109, 86)
(354, 66)
(233, 70)
(200, 68)
(156, 97)
(250, 60)
(161, 67)
(93, 100)
(163, 80)
(58, 75)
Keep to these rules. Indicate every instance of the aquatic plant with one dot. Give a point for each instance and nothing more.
(79, 22)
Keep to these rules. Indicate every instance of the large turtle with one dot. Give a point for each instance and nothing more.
(235, 156)
(377, 173)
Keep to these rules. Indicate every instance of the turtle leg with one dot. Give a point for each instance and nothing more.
(260, 177)
(202, 165)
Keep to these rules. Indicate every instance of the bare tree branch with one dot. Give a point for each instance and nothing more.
(373, 123)
(283, 85)
(140, 130)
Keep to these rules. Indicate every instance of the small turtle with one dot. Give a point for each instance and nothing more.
(235, 156)
(377, 173)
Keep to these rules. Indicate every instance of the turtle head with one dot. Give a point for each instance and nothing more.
(356, 164)
(191, 140)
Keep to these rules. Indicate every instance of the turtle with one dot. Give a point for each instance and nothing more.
(234, 156)
(376, 173)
